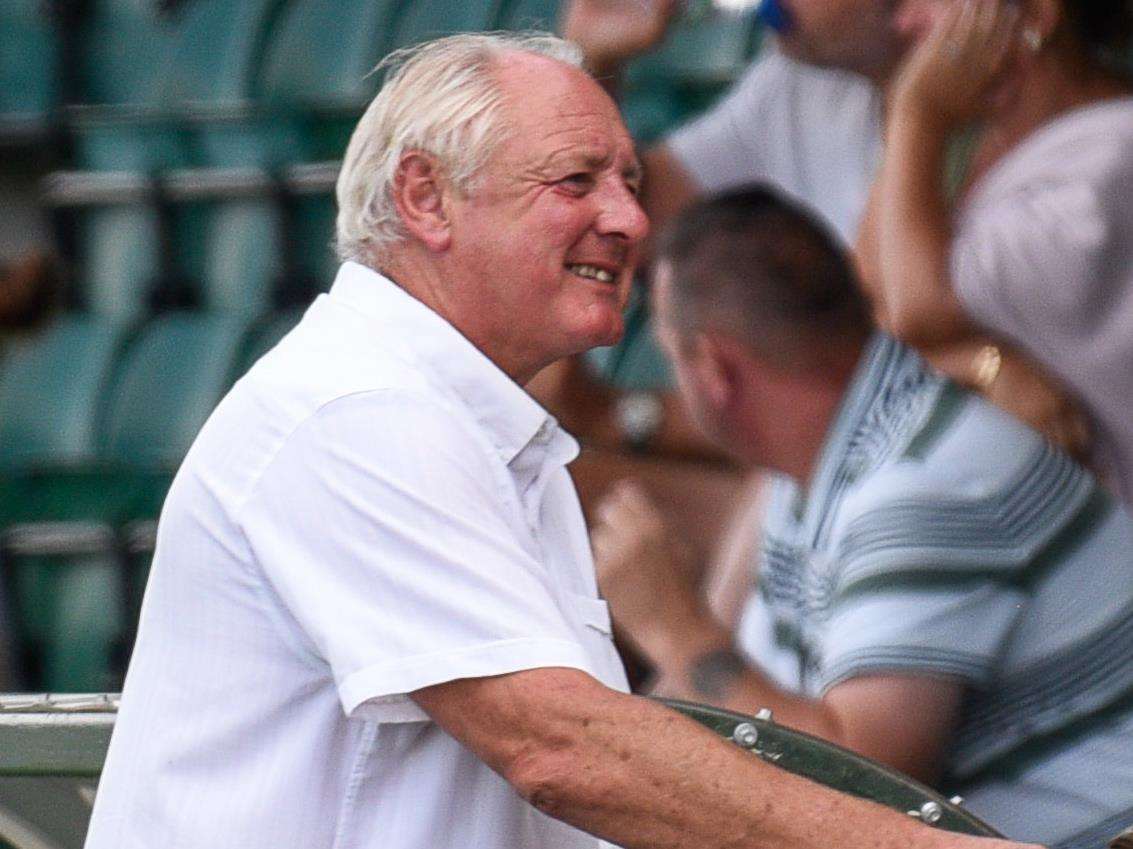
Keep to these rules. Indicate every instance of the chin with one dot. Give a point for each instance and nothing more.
(612, 333)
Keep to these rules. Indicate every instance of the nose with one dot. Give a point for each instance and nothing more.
(620, 213)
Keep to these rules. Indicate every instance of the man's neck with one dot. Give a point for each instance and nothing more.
(787, 433)
(426, 282)
(810, 427)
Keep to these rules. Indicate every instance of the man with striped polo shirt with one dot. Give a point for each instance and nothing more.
(939, 588)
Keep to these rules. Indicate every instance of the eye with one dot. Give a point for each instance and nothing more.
(578, 183)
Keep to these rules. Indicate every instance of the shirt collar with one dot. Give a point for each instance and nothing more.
(873, 374)
(512, 419)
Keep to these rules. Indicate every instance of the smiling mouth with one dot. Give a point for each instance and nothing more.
(591, 272)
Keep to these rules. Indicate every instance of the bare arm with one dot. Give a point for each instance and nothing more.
(729, 577)
(914, 234)
(611, 32)
(942, 86)
(901, 720)
(644, 777)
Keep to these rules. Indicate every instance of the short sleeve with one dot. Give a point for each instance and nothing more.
(902, 628)
(935, 586)
(718, 148)
(384, 529)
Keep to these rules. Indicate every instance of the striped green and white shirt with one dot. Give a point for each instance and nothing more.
(939, 536)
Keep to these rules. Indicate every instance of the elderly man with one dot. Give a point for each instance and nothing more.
(938, 588)
(372, 619)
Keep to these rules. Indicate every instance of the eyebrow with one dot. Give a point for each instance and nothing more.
(592, 160)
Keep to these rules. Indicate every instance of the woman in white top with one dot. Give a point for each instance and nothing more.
(1034, 244)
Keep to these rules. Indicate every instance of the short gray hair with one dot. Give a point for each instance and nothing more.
(442, 98)
(757, 265)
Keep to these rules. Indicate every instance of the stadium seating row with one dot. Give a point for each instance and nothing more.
(229, 240)
(94, 418)
(223, 82)
(192, 179)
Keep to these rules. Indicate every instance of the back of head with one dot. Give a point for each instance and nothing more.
(754, 265)
(441, 98)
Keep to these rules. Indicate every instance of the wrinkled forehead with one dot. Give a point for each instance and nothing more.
(557, 110)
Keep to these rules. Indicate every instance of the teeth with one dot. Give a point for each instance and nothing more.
(592, 272)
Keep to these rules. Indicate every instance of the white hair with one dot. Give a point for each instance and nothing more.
(442, 98)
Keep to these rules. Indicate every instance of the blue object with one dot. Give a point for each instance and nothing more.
(775, 16)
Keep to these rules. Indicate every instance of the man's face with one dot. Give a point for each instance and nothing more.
(853, 35)
(548, 237)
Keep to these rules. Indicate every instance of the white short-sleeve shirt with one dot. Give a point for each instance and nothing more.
(815, 133)
(373, 509)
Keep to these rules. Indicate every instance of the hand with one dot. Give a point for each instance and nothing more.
(1026, 392)
(641, 570)
(611, 32)
(947, 77)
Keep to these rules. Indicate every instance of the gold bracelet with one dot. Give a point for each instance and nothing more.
(985, 366)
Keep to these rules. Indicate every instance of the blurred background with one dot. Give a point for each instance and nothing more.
(166, 212)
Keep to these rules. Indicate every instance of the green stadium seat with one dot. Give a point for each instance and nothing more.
(312, 84)
(268, 335)
(219, 45)
(70, 622)
(51, 386)
(422, 20)
(28, 70)
(710, 49)
(120, 257)
(702, 56)
(123, 42)
(212, 50)
(165, 384)
(168, 381)
(242, 252)
(119, 240)
(65, 559)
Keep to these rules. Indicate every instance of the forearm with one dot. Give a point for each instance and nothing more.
(644, 776)
(640, 775)
(698, 662)
(914, 235)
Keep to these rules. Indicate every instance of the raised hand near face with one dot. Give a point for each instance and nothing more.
(611, 32)
(949, 75)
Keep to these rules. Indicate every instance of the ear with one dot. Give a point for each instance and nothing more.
(716, 371)
(419, 188)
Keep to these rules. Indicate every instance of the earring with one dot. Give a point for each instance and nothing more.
(1033, 39)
